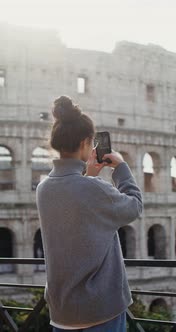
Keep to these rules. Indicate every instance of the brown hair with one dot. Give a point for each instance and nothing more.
(71, 125)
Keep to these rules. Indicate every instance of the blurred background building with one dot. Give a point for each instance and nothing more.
(130, 92)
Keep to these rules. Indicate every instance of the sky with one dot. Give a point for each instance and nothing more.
(98, 24)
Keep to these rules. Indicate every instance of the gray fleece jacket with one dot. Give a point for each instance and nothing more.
(79, 218)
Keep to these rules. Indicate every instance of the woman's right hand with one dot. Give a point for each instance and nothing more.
(93, 168)
(115, 157)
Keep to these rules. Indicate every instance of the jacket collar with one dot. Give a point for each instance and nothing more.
(67, 166)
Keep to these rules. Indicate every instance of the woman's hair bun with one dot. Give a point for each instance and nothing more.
(64, 110)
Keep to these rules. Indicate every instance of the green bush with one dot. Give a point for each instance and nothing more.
(40, 324)
(139, 310)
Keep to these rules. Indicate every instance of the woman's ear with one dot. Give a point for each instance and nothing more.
(87, 141)
(82, 144)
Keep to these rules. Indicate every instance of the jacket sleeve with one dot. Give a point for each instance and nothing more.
(126, 201)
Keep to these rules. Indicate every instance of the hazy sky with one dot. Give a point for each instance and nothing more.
(98, 24)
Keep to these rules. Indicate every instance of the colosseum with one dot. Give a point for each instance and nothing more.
(130, 92)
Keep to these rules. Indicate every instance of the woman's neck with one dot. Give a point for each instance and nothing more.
(74, 155)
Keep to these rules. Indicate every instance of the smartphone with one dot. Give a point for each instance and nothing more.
(103, 142)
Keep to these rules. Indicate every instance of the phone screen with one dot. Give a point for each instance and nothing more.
(102, 139)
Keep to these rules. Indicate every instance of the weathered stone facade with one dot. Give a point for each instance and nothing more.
(130, 92)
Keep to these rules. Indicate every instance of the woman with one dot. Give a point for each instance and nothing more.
(87, 287)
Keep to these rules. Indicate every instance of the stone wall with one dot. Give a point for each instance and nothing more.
(130, 92)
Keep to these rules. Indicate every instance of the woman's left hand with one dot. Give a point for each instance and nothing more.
(93, 168)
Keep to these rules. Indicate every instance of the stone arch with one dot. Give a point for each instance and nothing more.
(6, 168)
(158, 305)
(128, 241)
(151, 168)
(41, 165)
(156, 242)
(173, 173)
(38, 250)
(6, 249)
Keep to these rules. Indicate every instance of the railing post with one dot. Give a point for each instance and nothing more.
(4, 315)
(133, 326)
(33, 314)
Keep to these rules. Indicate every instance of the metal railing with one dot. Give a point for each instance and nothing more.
(135, 323)
(151, 263)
